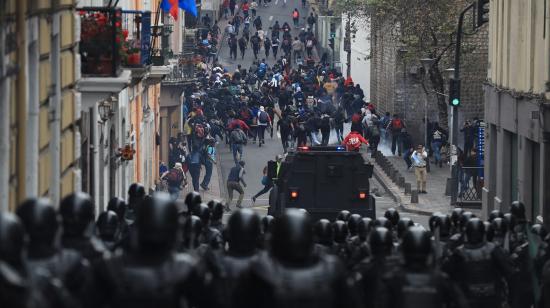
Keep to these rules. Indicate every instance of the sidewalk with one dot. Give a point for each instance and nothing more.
(215, 191)
(434, 201)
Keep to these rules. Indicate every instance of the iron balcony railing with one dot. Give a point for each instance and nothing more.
(470, 184)
(136, 38)
(183, 68)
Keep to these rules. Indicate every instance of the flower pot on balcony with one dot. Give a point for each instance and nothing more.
(134, 59)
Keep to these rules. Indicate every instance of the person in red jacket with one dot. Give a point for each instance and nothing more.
(353, 141)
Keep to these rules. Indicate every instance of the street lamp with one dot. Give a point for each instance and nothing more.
(105, 110)
(427, 64)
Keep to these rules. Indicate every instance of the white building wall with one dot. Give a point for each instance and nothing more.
(360, 50)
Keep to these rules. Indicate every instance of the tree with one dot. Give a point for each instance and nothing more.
(426, 28)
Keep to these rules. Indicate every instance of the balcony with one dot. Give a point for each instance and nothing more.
(100, 41)
(182, 69)
(135, 52)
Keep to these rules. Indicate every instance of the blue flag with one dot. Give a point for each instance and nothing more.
(189, 6)
(165, 5)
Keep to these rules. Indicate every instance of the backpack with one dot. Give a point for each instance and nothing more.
(264, 117)
(309, 43)
(237, 136)
(174, 177)
(397, 124)
(199, 130)
(295, 14)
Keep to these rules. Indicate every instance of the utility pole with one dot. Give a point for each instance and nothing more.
(347, 45)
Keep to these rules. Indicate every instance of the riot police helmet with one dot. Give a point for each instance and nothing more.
(40, 220)
(495, 214)
(118, 206)
(192, 200)
(510, 220)
(292, 238)
(518, 210)
(416, 247)
(77, 213)
(353, 223)
(403, 225)
(343, 215)
(497, 228)
(340, 231)
(12, 239)
(267, 224)
(203, 212)
(464, 218)
(364, 228)
(383, 222)
(243, 232)
(136, 193)
(157, 223)
(192, 228)
(380, 241)
(455, 216)
(392, 215)
(539, 230)
(323, 232)
(107, 225)
(216, 209)
(475, 231)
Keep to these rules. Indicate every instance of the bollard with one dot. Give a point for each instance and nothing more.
(414, 196)
(407, 188)
(401, 181)
(448, 186)
(395, 176)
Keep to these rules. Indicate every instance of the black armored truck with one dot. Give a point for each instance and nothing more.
(322, 180)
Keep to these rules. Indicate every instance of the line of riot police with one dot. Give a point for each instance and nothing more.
(150, 253)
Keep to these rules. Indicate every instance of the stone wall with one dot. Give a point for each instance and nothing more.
(396, 82)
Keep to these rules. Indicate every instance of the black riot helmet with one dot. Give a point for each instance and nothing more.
(475, 231)
(353, 223)
(403, 225)
(118, 206)
(343, 215)
(340, 231)
(464, 218)
(455, 216)
(40, 220)
(192, 200)
(392, 215)
(267, 224)
(157, 224)
(381, 242)
(216, 209)
(107, 225)
(364, 228)
(12, 240)
(192, 228)
(383, 222)
(497, 228)
(433, 221)
(292, 238)
(77, 213)
(539, 230)
(495, 214)
(510, 220)
(323, 232)
(518, 210)
(136, 193)
(203, 212)
(416, 247)
(444, 223)
(243, 232)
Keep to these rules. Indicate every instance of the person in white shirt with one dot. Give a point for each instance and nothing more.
(418, 158)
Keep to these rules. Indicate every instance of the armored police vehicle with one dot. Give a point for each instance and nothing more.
(323, 181)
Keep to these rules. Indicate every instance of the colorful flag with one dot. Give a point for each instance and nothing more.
(171, 6)
(189, 6)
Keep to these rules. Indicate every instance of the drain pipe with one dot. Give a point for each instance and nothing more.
(32, 88)
(4, 124)
(55, 117)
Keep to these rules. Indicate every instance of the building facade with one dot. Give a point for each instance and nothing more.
(517, 108)
(39, 105)
(397, 76)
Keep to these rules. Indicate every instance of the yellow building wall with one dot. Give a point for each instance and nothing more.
(519, 52)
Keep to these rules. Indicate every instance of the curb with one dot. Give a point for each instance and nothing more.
(395, 195)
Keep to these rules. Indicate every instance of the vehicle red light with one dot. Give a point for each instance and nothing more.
(303, 148)
(293, 194)
(362, 195)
